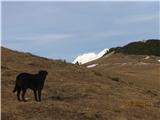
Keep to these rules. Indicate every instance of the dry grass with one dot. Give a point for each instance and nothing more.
(73, 92)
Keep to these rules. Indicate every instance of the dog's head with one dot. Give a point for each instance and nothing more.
(43, 72)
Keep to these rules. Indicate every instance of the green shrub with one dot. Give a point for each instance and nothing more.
(114, 78)
(97, 73)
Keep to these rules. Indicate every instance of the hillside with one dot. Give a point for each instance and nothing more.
(147, 47)
(74, 92)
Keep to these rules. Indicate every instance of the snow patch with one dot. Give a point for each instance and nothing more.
(142, 63)
(147, 57)
(91, 66)
(100, 54)
(158, 60)
(124, 64)
(87, 57)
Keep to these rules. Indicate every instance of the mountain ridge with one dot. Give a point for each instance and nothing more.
(143, 47)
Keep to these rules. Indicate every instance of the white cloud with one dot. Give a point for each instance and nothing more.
(112, 33)
(48, 37)
(137, 18)
(36, 41)
(40, 38)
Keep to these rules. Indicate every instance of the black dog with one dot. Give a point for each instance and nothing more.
(32, 81)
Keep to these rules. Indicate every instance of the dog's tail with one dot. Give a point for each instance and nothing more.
(15, 89)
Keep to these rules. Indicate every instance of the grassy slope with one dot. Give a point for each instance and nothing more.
(74, 93)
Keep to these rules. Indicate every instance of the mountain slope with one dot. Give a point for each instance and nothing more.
(141, 69)
(136, 61)
(73, 92)
(147, 47)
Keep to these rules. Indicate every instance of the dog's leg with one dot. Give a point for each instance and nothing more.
(39, 95)
(35, 95)
(23, 95)
(18, 95)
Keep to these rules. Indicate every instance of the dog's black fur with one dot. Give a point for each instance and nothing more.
(32, 81)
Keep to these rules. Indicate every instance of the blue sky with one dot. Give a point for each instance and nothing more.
(64, 30)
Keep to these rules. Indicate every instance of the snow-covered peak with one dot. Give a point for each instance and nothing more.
(87, 57)
(102, 53)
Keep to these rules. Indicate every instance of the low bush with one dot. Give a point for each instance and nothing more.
(114, 78)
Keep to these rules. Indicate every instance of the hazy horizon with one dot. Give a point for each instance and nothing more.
(64, 30)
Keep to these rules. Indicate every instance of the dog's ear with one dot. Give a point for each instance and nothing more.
(40, 71)
(43, 72)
